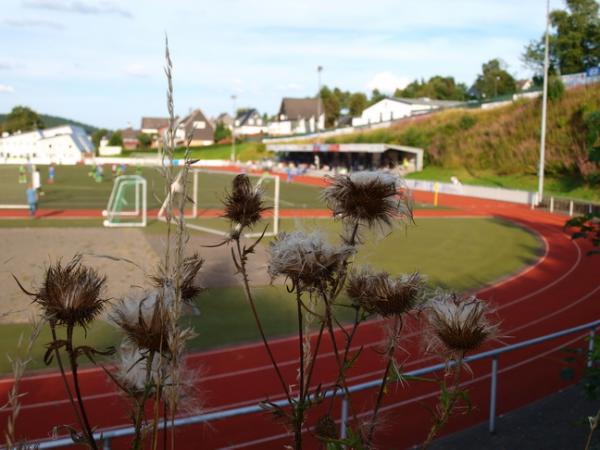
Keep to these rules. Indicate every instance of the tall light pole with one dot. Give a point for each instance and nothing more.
(319, 70)
(540, 192)
(233, 98)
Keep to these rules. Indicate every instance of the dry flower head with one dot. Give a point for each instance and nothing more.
(458, 325)
(378, 292)
(71, 294)
(190, 288)
(306, 259)
(144, 321)
(244, 205)
(372, 198)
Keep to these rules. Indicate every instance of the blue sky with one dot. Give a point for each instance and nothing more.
(101, 61)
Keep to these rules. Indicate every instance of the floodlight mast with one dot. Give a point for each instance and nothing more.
(319, 70)
(544, 107)
(233, 97)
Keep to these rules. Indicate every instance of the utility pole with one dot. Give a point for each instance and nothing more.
(540, 192)
(319, 70)
(233, 98)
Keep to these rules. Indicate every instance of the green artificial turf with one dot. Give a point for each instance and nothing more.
(458, 254)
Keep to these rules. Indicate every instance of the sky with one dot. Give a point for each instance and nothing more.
(102, 62)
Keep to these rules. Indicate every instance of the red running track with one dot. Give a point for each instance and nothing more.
(559, 291)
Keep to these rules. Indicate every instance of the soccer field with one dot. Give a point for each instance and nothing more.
(74, 188)
(455, 253)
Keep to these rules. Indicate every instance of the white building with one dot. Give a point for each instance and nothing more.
(298, 116)
(249, 123)
(67, 144)
(392, 108)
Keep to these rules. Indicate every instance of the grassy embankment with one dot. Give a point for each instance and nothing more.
(500, 147)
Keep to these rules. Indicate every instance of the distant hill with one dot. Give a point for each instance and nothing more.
(54, 121)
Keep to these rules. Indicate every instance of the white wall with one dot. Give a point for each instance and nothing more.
(66, 143)
(387, 110)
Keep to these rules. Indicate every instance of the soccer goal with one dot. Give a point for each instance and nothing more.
(205, 191)
(128, 203)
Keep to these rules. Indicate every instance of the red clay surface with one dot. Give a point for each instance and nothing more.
(561, 290)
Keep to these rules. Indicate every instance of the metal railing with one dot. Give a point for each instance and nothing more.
(568, 206)
(108, 435)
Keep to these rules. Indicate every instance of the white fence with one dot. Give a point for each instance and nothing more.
(506, 195)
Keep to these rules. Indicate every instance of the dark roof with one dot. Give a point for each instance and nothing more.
(243, 117)
(301, 108)
(154, 123)
(197, 134)
(130, 133)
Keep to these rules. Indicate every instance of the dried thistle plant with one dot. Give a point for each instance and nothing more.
(307, 260)
(71, 294)
(379, 293)
(372, 199)
(458, 325)
(188, 273)
(244, 205)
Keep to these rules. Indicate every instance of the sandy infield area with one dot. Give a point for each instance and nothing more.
(26, 252)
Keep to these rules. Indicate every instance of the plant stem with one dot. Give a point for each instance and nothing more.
(390, 359)
(141, 404)
(73, 361)
(242, 262)
(449, 406)
(64, 377)
(593, 426)
(299, 419)
(341, 369)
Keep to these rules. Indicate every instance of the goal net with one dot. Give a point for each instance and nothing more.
(206, 190)
(127, 205)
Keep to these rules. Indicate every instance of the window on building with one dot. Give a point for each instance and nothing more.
(199, 124)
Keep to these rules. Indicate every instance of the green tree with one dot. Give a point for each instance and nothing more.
(22, 118)
(574, 41)
(145, 140)
(98, 135)
(357, 103)
(116, 139)
(494, 80)
(376, 96)
(222, 132)
(331, 104)
(437, 87)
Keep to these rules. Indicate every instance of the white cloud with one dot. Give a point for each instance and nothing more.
(79, 7)
(6, 89)
(136, 70)
(387, 82)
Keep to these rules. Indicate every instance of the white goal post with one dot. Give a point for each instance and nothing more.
(177, 187)
(128, 203)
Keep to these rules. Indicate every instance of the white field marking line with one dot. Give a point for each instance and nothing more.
(286, 339)
(412, 400)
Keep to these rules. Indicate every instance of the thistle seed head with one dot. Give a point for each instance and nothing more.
(244, 204)
(379, 293)
(458, 325)
(306, 259)
(145, 322)
(368, 198)
(190, 288)
(71, 294)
